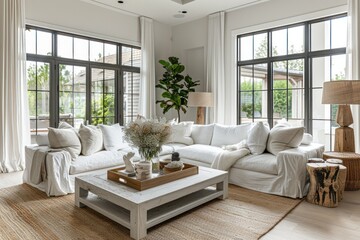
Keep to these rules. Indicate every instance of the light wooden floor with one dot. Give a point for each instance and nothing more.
(305, 222)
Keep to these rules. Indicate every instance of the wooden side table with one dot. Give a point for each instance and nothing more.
(324, 186)
(352, 162)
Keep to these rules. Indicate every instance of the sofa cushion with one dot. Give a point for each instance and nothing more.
(181, 132)
(202, 134)
(200, 152)
(170, 148)
(228, 135)
(282, 138)
(257, 137)
(113, 137)
(263, 163)
(66, 139)
(91, 139)
(99, 160)
(166, 149)
(307, 139)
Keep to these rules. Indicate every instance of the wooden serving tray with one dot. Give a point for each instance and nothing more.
(140, 185)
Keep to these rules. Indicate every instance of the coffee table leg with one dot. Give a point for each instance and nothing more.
(138, 218)
(224, 187)
(79, 192)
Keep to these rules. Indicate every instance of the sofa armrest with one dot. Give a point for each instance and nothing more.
(58, 173)
(57, 164)
(29, 154)
(291, 165)
(303, 152)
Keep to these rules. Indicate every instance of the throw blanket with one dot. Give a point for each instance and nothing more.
(53, 170)
(230, 155)
(38, 168)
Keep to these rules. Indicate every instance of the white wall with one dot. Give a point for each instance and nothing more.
(194, 34)
(162, 46)
(83, 18)
(189, 44)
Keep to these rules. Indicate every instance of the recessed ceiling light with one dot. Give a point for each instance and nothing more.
(183, 2)
(180, 14)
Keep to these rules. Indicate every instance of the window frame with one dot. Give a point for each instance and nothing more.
(308, 55)
(55, 61)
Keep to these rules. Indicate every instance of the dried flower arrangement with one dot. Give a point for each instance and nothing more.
(148, 135)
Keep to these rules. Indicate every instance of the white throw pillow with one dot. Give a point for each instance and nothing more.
(307, 139)
(66, 139)
(202, 134)
(257, 137)
(181, 132)
(228, 135)
(113, 137)
(282, 138)
(91, 139)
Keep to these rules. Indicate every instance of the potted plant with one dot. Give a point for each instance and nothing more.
(176, 86)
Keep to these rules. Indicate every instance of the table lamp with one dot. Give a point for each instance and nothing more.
(344, 93)
(200, 100)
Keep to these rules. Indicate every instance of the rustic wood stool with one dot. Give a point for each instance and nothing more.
(316, 160)
(352, 162)
(324, 184)
(342, 175)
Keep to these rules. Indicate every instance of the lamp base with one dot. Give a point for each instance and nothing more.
(344, 139)
(200, 116)
(343, 116)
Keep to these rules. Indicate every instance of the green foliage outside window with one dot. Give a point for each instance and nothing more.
(247, 107)
(280, 104)
(102, 108)
(42, 78)
(279, 98)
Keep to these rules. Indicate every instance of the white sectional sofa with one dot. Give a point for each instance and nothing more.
(273, 161)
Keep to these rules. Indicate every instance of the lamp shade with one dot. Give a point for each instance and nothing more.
(200, 99)
(341, 92)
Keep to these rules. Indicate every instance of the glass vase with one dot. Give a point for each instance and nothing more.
(150, 155)
(155, 164)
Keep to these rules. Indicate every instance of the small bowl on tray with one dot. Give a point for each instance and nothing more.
(173, 167)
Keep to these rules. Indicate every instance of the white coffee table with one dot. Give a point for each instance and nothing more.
(140, 210)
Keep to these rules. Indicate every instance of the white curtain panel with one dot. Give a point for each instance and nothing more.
(216, 65)
(14, 120)
(147, 106)
(353, 60)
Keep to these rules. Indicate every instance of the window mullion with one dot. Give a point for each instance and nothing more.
(270, 81)
(307, 81)
(88, 93)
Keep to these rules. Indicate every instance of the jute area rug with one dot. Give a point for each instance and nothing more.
(27, 213)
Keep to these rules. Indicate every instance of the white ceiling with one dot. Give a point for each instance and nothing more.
(165, 10)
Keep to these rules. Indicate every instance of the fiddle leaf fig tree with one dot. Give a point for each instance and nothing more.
(175, 86)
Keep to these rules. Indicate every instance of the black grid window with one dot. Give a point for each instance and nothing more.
(79, 79)
(281, 72)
